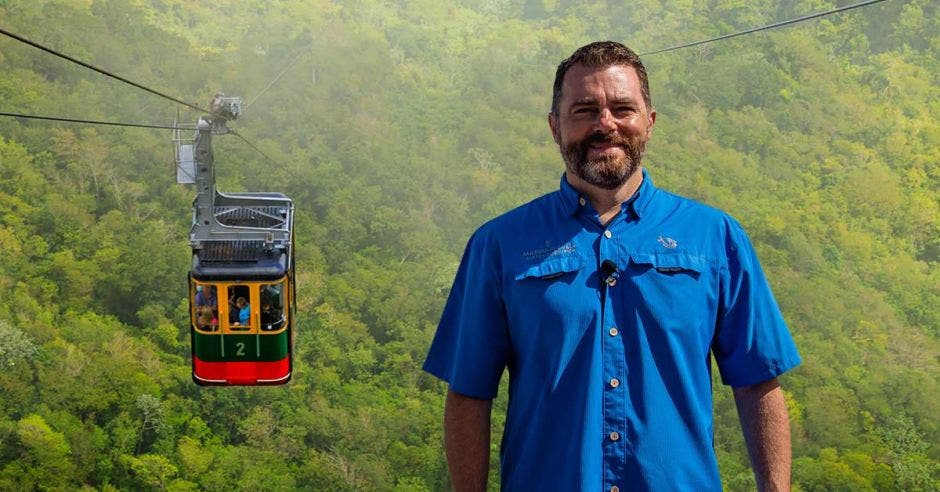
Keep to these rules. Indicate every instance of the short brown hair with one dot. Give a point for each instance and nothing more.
(602, 54)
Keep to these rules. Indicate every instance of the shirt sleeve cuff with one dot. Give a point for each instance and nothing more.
(759, 375)
(466, 388)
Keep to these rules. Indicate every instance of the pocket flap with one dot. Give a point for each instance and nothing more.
(553, 267)
(665, 262)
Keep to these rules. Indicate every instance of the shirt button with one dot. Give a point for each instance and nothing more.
(613, 332)
(614, 436)
(615, 489)
(614, 383)
(607, 234)
(581, 201)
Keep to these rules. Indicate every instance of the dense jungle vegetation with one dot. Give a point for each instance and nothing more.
(400, 128)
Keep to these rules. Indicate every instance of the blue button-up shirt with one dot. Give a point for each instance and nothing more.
(609, 367)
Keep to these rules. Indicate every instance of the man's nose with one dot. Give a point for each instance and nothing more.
(606, 121)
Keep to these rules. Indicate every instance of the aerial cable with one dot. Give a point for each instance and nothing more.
(287, 67)
(89, 122)
(239, 135)
(268, 157)
(768, 26)
(101, 71)
(133, 125)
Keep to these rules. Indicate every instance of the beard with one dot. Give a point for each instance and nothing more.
(607, 171)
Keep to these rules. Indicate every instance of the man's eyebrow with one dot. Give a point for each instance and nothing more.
(590, 101)
(585, 101)
(623, 100)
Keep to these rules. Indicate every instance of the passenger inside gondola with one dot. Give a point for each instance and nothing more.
(207, 308)
(205, 296)
(206, 321)
(271, 294)
(239, 310)
(272, 314)
(244, 311)
(269, 317)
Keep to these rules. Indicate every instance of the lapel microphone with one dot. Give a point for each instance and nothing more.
(610, 272)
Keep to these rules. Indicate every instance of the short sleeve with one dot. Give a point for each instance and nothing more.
(752, 343)
(471, 346)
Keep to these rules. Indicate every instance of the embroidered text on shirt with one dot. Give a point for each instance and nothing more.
(542, 253)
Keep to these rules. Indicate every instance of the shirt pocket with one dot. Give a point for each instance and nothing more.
(550, 292)
(678, 291)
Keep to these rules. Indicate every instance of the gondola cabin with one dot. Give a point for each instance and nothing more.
(241, 285)
(241, 295)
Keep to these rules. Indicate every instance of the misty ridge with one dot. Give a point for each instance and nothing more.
(398, 128)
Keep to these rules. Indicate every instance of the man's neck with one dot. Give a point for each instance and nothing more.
(607, 202)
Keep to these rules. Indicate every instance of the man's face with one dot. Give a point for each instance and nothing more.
(602, 124)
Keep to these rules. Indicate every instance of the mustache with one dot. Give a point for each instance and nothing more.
(605, 138)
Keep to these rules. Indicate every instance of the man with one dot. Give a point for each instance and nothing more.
(205, 297)
(606, 300)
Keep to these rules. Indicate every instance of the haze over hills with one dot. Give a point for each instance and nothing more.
(398, 128)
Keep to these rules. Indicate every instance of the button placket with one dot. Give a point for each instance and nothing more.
(614, 399)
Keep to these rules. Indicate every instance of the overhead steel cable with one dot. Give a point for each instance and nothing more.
(293, 174)
(287, 67)
(101, 71)
(768, 26)
(239, 135)
(89, 122)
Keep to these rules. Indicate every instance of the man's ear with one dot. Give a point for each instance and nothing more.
(553, 125)
(651, 119)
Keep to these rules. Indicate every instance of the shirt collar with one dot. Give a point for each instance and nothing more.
(573, 201)
(643, 196)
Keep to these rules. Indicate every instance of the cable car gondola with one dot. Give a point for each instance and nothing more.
(241, 285)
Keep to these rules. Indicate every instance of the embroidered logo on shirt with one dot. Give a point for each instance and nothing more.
(668, 242)
(548, 250)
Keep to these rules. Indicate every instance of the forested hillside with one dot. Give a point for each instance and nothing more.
(398, 128)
